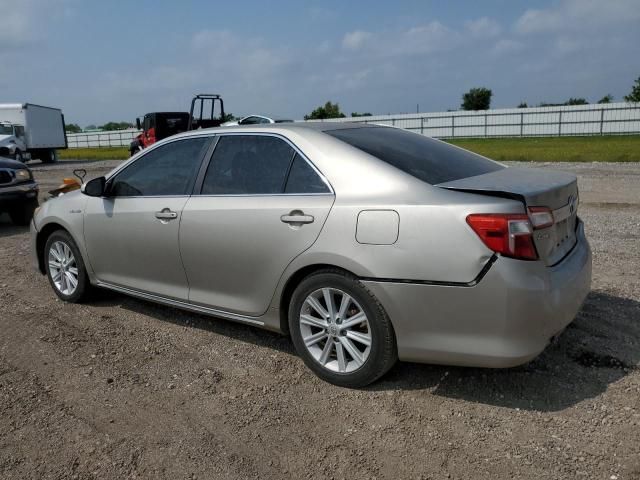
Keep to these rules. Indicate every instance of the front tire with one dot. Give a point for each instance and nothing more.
(18, 156)
(65, 268)
(341, 330)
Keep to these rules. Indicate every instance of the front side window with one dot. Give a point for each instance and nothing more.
(248, 165)
(19, 131)
(168, 170)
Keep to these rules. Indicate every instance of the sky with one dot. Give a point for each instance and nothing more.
(114, 60)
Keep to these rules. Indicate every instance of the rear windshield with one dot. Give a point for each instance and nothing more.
(429, 160)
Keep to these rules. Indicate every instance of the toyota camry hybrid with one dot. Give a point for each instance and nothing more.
(365, 243)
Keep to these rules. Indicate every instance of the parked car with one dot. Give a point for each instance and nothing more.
(18, 191)
(254, 120)
(29, 131)
(364, 243)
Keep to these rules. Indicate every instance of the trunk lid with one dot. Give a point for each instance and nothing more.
(535, 188)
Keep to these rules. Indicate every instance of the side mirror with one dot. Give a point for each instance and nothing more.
(138, 124)
(95, 187)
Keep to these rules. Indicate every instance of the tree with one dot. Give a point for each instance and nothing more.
(477, 99)
(91, 127)
(356, 114)
(328, 110)
(116, 126)
(634, 96)
(576, 101)
(571, 101)
(608, 98)
(228, 117)
(72, 128)
(523, 105)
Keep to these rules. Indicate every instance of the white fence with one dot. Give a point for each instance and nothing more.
(600, 119)
(116, 138)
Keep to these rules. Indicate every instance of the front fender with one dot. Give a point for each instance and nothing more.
(65, 212)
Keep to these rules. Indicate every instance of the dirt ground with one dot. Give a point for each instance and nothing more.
(120, 388)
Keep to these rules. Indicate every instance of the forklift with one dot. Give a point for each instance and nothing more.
(157, 126)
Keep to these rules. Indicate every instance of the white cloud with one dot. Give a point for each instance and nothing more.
(16, 23)
(355, 40)
(582, 15)
(506, 46)
(483, 27)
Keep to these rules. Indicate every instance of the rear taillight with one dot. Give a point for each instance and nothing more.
(541, 217)
(510, 235)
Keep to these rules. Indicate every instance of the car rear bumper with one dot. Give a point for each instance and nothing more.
(505, 320)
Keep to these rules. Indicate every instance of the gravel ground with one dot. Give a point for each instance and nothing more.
(120, 388)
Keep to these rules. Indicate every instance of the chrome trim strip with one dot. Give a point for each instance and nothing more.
(472, 283)
(265, 195)
(182, 305)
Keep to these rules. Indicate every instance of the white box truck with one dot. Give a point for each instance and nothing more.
(29, 131)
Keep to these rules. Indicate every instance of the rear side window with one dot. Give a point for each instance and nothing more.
(248, 165)
(429, 160)
(304, 179)
(168, 170)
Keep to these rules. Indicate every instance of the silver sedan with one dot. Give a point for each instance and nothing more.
(366, 244)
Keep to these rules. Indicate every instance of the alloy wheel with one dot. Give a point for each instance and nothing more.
(63, 268)
(335, 330)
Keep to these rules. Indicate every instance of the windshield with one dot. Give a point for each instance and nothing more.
(430, 160)
(6, 130)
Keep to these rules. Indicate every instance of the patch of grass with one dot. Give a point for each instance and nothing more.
(104, 153)
(611, 148)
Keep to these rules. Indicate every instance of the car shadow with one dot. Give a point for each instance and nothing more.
(8, 229)
(599, 348)
(235, 330)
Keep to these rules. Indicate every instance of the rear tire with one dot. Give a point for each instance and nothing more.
(350, 343)
(65, 268)
(22, 214)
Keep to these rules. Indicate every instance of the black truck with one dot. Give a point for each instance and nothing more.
(18, 191)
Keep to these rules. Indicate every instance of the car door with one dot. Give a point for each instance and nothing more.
(132, 233)
(261, 204)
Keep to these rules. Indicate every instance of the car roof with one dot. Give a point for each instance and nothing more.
(285, 127)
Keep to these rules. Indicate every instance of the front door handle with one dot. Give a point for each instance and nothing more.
(297, 217)
(166, 214)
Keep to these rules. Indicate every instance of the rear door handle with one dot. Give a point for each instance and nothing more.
(297, 217)
(166, 214)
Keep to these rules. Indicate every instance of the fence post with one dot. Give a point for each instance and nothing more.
(560, 124)
(421, 125)
(453, 126)
(521, 124)
(601, 120)
(485, 125)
